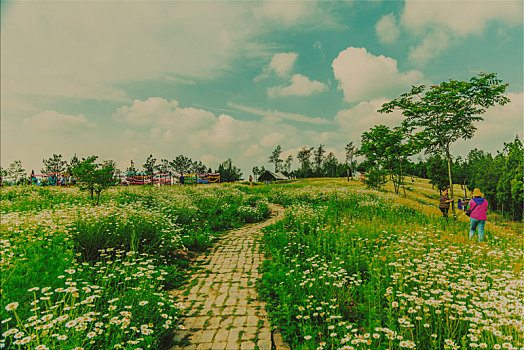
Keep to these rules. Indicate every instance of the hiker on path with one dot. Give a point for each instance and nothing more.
(478, 207)
(444, 203)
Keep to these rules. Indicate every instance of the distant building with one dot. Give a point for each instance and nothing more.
(269, 176)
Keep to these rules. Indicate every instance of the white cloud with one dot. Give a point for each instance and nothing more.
(501, 124)
(364, 76)
(387, 29)
(441, 23)
(286, 12)
(57, 123)
(460, 17)
(272, 139)
(281, 63)
(354, 121)
(271, 115)
(430, 47)
(87, 49)
(300, 86)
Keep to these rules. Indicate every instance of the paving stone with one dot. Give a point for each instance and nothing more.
(233, 334)
(239, 321)
(222, 295)
(264, 344)
(247, 346)
(222, 335)
(207, 336)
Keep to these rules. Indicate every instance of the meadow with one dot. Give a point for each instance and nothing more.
(352, 268)
(347, 267)
(76, 276)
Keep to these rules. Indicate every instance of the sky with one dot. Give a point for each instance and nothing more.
(215, 79)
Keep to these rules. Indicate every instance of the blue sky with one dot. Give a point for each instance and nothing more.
(213, 80)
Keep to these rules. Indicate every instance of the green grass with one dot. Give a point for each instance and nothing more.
(98, 277)
(356, 268)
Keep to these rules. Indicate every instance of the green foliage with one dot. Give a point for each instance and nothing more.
(447, 112)
(275, 158)
(375, 178)
(55, 164)
(359, 268)
(94, 177)
(229, 172)
(437, 172)
(16, 174)
(150, 165)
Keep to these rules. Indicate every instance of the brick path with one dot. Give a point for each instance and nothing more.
(222, 310)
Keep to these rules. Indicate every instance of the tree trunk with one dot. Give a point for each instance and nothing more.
(448, 156)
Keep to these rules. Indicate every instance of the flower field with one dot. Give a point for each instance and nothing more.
(348, 268)
(359, 269)
(76, 276)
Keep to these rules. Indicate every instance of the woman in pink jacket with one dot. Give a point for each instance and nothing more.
(478, 207)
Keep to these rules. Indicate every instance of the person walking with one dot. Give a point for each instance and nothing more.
(478, 207)
(444, 203)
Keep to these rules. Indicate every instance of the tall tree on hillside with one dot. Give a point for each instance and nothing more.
(287, 165)
(198, 167)
(15, 172)
(330, 165)
(181, 164)
(257, 171)
(94, 177)
(437, 172)
(229, 172)
(304, 156)
(374, 147)
(275, 158)
(163, 167)
(351, 151)
(72, 163)
(149, 165)
(510, 190)
(447, 112)
(55, 164)
(131, 169)
(318, 158)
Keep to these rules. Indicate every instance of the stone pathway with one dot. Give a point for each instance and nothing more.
(222, 310)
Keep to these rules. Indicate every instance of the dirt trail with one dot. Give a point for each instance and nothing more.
(222, 310)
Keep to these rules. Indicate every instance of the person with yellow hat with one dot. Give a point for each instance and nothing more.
(478, 207)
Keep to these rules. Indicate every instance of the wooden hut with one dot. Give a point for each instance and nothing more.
(269, 176)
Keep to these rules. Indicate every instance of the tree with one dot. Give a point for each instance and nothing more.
(287, 165)
(258, 171)
(94, 177)
(510, 190)
(330, 165)
(229, 172)
(55, 164)
(374, 145)
(198, 167)
(275, 158)
(318, 157)
(163, 167)
(447, 112)
(3, 175)
(15, 172)
(303, 157)
(72, 163)
(181, 164)
(131, 169)
(351, 151)
(149, 165)
(437, 172)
